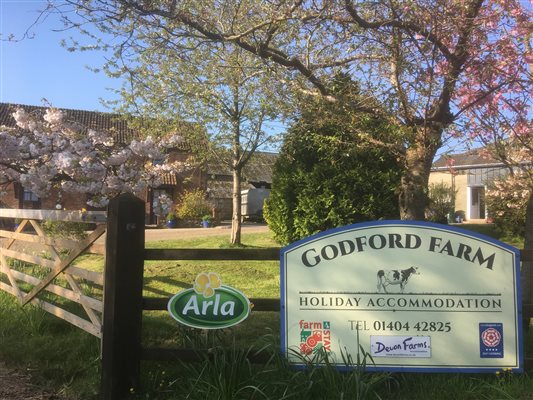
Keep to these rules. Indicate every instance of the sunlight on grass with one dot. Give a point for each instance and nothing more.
(253, 278)
(260, 240)
(493, 232)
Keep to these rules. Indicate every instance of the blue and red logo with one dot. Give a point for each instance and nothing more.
(491, 340)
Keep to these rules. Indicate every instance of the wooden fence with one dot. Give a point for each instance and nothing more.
(125, 255)
(119, 322)
(122, 350)
(51, 259)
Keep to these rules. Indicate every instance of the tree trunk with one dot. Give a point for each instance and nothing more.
(527, 266)
(237, 173)
(236, 214)
(413, 196)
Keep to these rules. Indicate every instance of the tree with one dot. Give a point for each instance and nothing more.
(326, 176)
(52, 152)
(441, 202)
(516, 191)
(431, 65)
(217, 85)
(507, 136)
(507, 202)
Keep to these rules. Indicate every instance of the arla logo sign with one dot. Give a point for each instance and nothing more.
(209, 304)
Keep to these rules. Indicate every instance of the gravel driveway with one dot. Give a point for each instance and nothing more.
(152, 235)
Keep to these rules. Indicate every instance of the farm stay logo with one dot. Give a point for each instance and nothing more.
(315, 336)
(209, 304)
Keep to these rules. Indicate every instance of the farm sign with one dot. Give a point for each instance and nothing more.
(415, 296)
(209, 304)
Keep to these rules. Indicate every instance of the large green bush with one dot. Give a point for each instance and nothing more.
(327, 175)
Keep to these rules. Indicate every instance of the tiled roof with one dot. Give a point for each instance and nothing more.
(108, 122)
(114, 124)
(258, 169)
(472, 158)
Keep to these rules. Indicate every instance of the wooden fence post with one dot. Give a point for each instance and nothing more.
(123, 285)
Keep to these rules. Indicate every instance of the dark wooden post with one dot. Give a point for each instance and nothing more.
(122, 318)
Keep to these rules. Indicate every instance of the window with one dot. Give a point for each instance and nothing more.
(29, 200)
(30, 196)
(483, 176)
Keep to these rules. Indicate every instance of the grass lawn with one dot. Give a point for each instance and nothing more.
(492, 231)
(67, 359)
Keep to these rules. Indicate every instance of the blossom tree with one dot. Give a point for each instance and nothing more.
(516, 193)
(507, 136)
(432, 65)
(52, 152)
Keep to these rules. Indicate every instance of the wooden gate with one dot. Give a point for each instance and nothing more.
(34, 262)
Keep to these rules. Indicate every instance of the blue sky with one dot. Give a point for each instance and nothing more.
(33, 69)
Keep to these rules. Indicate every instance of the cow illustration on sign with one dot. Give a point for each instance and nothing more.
(400, 277)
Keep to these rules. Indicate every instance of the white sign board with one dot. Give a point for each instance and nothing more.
(415, 296)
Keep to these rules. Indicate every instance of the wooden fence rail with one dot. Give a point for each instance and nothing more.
(27, 243)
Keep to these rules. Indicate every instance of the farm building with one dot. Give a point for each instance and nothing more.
(256, 174)
(468, 174)
(15, 196)
(214, 177)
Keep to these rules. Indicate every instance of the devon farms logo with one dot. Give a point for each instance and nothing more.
(209, 304)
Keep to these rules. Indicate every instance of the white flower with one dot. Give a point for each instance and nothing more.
(118, 158)
(172, 141)
(9, 147)
(97, 137)
(22, 118)
(54, 116)
(146, 148)
(53, 153)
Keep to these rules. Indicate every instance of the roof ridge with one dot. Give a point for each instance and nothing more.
(59, 108)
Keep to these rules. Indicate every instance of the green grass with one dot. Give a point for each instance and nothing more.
(54, 352)
(218, 241)
(492, 231)
(465, 387)
(253, 278)
(67, 359)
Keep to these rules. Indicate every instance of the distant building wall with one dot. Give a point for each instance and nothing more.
(456, 180)
(223, 208)
(9, 197)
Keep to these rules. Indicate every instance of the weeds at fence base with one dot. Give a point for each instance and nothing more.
(63, 356)
(226, 373)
